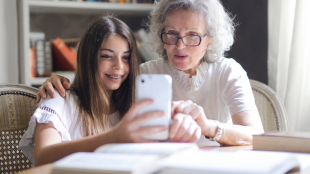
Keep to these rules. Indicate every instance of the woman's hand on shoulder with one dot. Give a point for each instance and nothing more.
(129, 129)
(59, 82)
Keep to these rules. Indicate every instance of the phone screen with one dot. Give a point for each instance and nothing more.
(157, 87)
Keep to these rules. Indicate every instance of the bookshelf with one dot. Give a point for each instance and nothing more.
(41, 7)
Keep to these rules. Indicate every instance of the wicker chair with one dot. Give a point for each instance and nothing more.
(17, 104)
(271, 110)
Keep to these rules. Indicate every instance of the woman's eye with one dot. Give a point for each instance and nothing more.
(174, 33)
(105, 56)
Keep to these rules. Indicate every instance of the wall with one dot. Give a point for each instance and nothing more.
(8, 42)
(250, 47)
(71, 25)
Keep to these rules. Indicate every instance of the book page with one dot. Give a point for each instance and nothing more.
(304, 160)
(241, 162)
(104, 162)
(147, 148)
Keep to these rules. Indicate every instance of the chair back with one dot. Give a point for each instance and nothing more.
(270, 108)
(17, 104)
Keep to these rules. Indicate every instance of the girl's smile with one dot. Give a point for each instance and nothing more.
(113, 64)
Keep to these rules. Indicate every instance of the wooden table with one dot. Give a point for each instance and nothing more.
(47, 169)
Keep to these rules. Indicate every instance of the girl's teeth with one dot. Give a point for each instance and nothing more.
(114, 77)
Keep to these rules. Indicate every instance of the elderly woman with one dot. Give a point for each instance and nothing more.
(191, 37)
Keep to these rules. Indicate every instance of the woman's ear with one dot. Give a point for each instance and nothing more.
(206, 49)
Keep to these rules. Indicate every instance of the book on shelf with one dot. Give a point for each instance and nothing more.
(32, 62)
(145, 1)
(48, 58)
(112, 1)
(43, 58)
(283, 141)
(144, 45)
(40, 57)
(36, 36)
(64, 57)
(121, 158)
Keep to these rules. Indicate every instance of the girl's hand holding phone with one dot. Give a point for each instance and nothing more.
(130, 129)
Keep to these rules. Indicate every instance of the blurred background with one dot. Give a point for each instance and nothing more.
(272, 42)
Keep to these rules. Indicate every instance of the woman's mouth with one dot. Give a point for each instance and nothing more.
(180, 56)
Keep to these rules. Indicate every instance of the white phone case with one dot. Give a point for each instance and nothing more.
(157, 87)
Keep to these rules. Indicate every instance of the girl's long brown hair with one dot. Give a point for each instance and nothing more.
(87, 84)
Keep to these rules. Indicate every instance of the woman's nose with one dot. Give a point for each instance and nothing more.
(180, 44)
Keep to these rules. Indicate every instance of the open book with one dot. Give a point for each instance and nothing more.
(121, 158)
(178, 158)
(229, 162)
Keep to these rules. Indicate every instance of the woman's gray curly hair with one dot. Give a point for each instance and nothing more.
(219, 24)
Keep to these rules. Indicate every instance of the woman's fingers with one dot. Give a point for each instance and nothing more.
(174, 127)
(41, 93)
(184, 129)
(56, 81)
(197, 112)
(188, 107)
(38, 98)
(174, 104)
(185, 107)
(179, 106)
(196, 136)
(66, 83)
(50, 89)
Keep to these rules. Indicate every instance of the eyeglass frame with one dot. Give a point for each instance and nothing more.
(179, 37)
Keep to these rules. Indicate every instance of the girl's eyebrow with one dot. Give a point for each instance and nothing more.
(103, 49)
(107, 50)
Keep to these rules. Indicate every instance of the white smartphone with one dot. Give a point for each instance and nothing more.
(157, 87)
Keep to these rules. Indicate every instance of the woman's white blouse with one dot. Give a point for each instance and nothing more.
(221, 88)
(64, 114)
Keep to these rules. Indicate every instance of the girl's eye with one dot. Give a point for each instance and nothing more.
(105, 56)
(126, 57)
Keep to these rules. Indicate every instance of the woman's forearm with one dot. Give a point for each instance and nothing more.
(238, 135)
(52, 153)
(245, 125)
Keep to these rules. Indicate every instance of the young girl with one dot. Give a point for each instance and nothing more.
(99, 107)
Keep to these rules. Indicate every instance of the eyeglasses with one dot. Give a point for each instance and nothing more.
(189, 40)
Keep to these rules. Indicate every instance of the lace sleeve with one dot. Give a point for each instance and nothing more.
(50, 110)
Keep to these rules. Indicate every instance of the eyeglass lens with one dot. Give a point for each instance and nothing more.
(187, 40)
